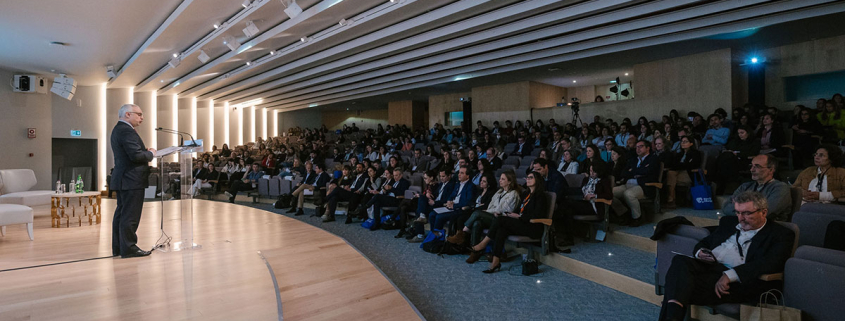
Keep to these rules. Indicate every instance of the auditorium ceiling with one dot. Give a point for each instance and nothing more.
(337, 52)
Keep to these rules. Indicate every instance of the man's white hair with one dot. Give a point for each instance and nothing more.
(125, 109)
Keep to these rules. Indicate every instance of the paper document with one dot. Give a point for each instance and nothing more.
(441, 210)
(167, 151)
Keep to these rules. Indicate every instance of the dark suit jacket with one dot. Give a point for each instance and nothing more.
(130, 159)
(357, 185)
(400, 189)
(495, 163)
(767, 253)
(320, 180)
(647, 172)
(447, 191)
(555, 181)
(467, 194)
(309, 178)
(526, 149)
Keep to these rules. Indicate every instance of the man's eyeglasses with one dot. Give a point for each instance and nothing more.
(139, 114)
(746, 213)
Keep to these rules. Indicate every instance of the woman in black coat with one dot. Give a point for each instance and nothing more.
(533, 204)
(681, 168)
(596, 185)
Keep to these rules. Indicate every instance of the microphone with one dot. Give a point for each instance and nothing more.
(181, 138)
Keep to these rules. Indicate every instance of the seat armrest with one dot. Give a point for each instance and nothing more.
(657, 185)
(772, 277)
(601, 200)
(544, 221)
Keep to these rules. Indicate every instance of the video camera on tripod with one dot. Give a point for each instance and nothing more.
(575, 105)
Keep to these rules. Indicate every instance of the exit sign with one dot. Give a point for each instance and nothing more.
(76, 133)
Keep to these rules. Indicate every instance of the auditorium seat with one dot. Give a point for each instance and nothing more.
(813, 283)
(15, 185)
(543, 241)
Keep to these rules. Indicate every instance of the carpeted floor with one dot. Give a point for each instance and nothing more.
(446, 288)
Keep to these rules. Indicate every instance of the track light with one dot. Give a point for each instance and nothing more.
(305, 39)
(248, 63)
(203, 57)
(216, 25)
(175, 55)
(344, 22)
(574, 81)
(110, 72)
(292, 10)
(272, 52)
(246, 3)
(251, 29)
(174, 62)
(231, 42)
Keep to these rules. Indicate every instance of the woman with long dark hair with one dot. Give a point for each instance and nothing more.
(533, 204)
(680, 169)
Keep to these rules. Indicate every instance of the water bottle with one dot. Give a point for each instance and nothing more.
(80, 184)
(58, 186)
(72, 185)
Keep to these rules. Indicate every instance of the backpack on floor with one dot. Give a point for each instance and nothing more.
(435, 246)
(452, 249)
(283, 201)
(390, 222)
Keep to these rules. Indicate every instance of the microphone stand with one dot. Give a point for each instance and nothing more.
(181, 138)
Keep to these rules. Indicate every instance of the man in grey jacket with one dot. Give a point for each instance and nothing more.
(763, 180)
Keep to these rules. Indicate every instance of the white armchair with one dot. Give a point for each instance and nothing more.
(15, 185)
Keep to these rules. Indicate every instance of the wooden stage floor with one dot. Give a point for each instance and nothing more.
(246, 254)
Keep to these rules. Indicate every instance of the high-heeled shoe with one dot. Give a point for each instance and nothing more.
(494, 269)
(473, 257)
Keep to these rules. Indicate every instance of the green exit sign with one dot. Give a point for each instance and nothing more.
(76, 133)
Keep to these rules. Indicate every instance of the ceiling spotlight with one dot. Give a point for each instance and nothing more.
(292, 10)
(272, 52)
(175, 55)
(161, 80)
(754, 60)
(574, 81)
(110, 72)
(305, 39)
(246, 3)
(626, 74)
(203, 57)
(231, 42)
(248, 63)
(344, 22)
(251, 29)
(216, 25)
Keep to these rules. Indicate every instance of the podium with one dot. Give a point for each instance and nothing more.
(186, 208)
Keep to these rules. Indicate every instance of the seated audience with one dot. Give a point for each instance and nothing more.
(597, 185)
(522, 148)
(429, 201)
(727, 264)
(568, 165)
(371, 187)
(825, 181)
(735, 157)
(429, 189)
(716, 135)
(390, 196)
(553, 180)
(346, 190)
(462, 194)
(592, 156)
(763, 181)
(204, 181)
(680, 168)
(533, 204)
(803, 130)
(771, 136)
(642, 169)
(504, 200)
(249, 182)
(313, 182)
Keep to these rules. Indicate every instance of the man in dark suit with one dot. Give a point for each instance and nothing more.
(554, 179)
(391, 194)
(418, 164)
(522, 148)
(344, 193)
(728, 263)
(318, 180)
(129, 179)
(462, 195)
(640, 170)
(493, 160)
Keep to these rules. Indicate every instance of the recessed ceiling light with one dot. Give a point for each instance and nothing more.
(574, 81)
(161, 80)
(626, 74)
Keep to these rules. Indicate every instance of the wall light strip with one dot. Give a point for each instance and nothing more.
(210, 140)
(101, 144)
(153, 123)
(226, 125)
(174, 109)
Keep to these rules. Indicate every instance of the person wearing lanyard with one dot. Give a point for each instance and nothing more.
(777, 193)
(824, 182)
(391, 195)
(461, 196)
(344, 192)
(744, 247)
(533, 204)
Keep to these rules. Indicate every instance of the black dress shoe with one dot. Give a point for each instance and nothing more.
(299, 212)
(348, 219)
(635, 222)
(400, 234)
(136, 253)
(291, 210)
